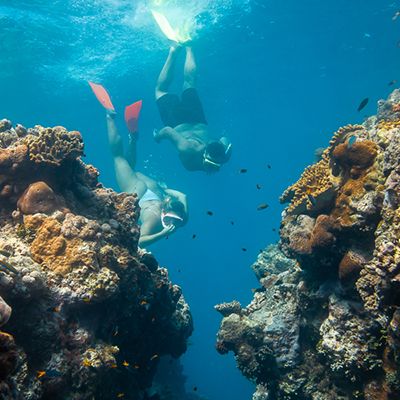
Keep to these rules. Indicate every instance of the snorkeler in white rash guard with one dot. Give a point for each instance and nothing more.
(163, 210)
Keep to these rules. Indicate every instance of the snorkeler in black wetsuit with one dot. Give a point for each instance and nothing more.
(184, 120)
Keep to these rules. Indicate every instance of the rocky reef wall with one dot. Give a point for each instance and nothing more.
(84, 313)
(324, 323)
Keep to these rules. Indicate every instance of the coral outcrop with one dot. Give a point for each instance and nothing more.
(324, 323)
(91, 312)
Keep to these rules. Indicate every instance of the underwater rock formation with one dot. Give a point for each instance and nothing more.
(91, 312)
(324, 323)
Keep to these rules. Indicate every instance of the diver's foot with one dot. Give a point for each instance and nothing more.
(111, 113)
(176, 47)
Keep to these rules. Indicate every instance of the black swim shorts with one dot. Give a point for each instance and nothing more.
(187, 110)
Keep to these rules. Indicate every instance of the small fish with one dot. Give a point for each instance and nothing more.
(120, 395)
(351, 141)
(7, 267)
(153, 357)
(113, 366)
(194, 236)
(115, 333)
(254, 290)
(194, 388)
(143, 303)
(86, 299)
(262, 206)
(179, 270)
(273, 230)
(232, 222)
(244, 249)
(367, 35)
(258, 186)
(210, 213)
(40, 374)
(136, 366)
(125, 363)
(363, 104)
(268, 166)
(391, 83)
(243, 171)
(56, 309)
(396, 15)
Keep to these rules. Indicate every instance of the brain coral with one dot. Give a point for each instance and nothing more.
(53, 145)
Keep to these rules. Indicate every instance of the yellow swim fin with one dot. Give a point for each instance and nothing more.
(168, 31)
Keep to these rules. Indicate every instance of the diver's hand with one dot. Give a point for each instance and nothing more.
(168, 230)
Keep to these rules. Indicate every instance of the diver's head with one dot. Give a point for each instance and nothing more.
(173, 213)
(215, 154)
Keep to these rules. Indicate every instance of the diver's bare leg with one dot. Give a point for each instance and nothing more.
(114, 138)
(131, 153)
(190, 71)
(127, 179)
(167, 73)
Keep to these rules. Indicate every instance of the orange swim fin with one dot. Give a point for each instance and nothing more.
(102, 96)
(132, 113)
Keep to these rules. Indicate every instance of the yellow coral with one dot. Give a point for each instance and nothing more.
(53, 145)
(388, 125)
(317, 184)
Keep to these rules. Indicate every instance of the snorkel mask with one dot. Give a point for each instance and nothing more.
(170, 218)
(214, 155)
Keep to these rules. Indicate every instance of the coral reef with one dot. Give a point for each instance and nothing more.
(324, 323)
(91, 312)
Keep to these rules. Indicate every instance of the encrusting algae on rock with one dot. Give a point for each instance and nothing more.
(325, 322)
(85, 298)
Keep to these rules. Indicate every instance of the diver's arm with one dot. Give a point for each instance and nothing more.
(169, 134)
(147, 240)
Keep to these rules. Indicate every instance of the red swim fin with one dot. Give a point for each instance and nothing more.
(132, 113)
(102, 96)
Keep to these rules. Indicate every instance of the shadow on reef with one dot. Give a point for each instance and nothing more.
(88, 314)
(325, 322)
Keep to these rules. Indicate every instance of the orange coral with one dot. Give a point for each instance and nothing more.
(317, 184)
(51, 249)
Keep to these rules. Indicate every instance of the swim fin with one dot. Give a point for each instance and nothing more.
(102, 96)
(168, 31)
(132, 113)
(165, 26)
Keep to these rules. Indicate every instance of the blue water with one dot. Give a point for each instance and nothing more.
(277, 76)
